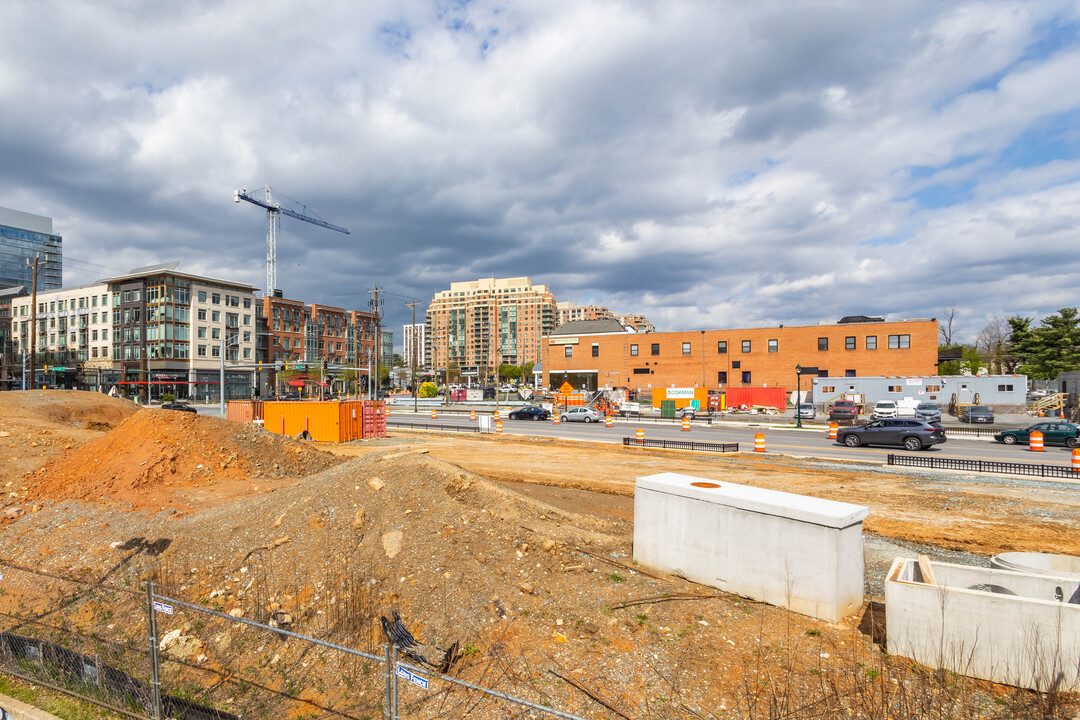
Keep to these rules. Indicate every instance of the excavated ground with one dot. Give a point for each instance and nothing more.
(519, 549)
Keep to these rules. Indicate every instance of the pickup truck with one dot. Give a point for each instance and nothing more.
(844, 410)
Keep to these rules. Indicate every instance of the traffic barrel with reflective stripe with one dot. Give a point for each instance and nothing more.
(498, 427)
(833, 427)
(759, 442)
(433, 416)
(1035, 442)
(1076, 460)
(609, 422)
(496, 414)
(639, 434)
(472, 414)
(555, 418)
(686, 423)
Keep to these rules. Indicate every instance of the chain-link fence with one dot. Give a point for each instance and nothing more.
(151, 656)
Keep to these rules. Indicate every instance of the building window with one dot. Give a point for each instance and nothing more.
(849, 342)
(721, 377)
(823, 343)
(746, 346)
(215, 333)
(215, 351)
(215, 315)
(849, 373)
(247, 303)
(686, 348)
(568, 351)
(736, 364)
(774, 346)
(633, 350)
(1005, 388)
(596, 349)
(899, 342)
(202, 332)
(215, 298)
(202, 299)
(895, 388)
(823, 373)
(933, 388)
(828, 388)
(721, 347)
(202, 313)
(656, 348)
(746, 377)
(871, 342)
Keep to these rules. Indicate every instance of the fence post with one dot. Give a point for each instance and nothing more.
(388, 715)
(155, 678)
(394, 681)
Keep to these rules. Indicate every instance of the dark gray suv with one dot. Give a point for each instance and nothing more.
(904, 432)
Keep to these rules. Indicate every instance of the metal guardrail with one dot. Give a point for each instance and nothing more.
(681, 445)
(433, 426)
(986, 466)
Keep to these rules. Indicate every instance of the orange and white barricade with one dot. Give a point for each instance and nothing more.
(759, 442)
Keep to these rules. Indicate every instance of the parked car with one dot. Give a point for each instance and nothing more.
(884, 409)
(530, 412)
(907, 433)
(806, 411)
(5, 715)
(1054, 433)
(977, 414)
(688, 412)
(928, 411)
(178, 406)
(580, 414)
(844, 410)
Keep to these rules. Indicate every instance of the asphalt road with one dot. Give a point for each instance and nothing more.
(790, 441)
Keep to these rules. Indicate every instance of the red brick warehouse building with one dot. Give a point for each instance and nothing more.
(749, 357)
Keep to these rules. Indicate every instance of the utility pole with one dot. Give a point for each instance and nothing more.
(412, 363)
(373, 305)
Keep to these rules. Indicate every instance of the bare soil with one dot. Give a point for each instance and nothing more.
(519, 549)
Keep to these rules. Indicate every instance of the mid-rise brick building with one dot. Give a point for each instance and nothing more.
(749, 357)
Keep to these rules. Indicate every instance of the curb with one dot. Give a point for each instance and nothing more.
(21, 711)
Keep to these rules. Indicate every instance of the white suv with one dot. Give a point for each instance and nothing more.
(884, 409)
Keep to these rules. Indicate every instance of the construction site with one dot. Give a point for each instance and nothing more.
(518, 576)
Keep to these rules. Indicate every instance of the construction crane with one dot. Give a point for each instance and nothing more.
(273, 210)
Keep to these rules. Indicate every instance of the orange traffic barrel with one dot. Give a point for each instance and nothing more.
(555, 418)
(1035, 441)
(433, 416)
(832, 430)
(640, 435)
(498, 426)
(496, 415)
(1076, 460)
(686, 423)
(609, 422)
(472, 414)
(759, 442)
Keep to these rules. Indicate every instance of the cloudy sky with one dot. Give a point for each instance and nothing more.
(709, 164)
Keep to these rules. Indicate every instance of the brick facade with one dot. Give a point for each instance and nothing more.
(753, 357)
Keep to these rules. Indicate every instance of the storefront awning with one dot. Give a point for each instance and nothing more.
(296, 383)
(325, 384)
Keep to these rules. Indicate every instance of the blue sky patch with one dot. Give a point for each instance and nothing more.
(1053, 138)
(941, 195)
(395, 36)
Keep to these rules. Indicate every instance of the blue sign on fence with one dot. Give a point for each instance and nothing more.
(412, 677)
(162, 607)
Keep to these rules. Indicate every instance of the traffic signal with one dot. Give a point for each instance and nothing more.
(324, 364)
(305, 368)
(46, 368)
(286, 367)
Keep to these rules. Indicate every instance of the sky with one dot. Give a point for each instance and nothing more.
(707, 164)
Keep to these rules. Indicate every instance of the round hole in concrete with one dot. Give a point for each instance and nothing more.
(705, 484)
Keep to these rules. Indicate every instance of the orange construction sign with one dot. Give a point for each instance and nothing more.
(566, 388)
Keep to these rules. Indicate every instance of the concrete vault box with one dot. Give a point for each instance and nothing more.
(798, 552)
(1015, 628)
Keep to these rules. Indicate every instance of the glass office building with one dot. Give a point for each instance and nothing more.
(22, 236)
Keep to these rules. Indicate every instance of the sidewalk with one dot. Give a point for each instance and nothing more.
(21, 711)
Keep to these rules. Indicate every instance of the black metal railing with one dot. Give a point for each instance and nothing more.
(681, 445)
(433, 426)
(985, 466)
(974, 431)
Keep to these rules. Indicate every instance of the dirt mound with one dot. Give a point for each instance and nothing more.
(64, 408)
(154, 452)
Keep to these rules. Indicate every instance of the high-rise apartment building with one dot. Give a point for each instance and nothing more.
(386, 352)
(22, 236)
(488, 322)
(569, 312)
(638, 322)
(413, 348)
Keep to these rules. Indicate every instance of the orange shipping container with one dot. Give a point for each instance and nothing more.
(324, 421)
(244, 410)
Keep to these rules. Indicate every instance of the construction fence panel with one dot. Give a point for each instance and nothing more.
(82, 637)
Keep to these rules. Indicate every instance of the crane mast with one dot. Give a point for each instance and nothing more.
(273, 212)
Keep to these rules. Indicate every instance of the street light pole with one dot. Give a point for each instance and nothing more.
(798, 395)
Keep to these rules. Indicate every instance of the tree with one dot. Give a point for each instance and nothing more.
(397, 360)
(1049, 349)
(994, 341)
(428, 390)
(945, 326)
(970, 363)
(510, 372)
(349, 378)
(527, 370)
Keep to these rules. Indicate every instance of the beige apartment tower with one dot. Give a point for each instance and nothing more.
(487, 323)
